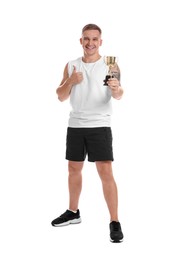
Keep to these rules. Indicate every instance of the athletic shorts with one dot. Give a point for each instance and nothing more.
(96, 143)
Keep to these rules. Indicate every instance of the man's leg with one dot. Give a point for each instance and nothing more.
(104, 169)
(74, 183)
(75, 186)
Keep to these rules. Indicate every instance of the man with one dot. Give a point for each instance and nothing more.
(89, 130)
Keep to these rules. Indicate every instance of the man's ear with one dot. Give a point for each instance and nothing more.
(81, 41)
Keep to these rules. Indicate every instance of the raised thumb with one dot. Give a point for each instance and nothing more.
(74, 68)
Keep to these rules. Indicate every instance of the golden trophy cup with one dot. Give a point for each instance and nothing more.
(110, 61)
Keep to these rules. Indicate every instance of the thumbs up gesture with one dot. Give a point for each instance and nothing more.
(76, 77)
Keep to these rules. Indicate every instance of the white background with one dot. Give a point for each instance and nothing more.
(37, 39)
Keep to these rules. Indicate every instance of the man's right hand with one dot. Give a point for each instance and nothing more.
(76, 77)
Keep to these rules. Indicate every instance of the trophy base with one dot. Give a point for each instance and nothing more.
(106, 79)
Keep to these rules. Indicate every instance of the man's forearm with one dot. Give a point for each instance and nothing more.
(117, 93)
(63, 91)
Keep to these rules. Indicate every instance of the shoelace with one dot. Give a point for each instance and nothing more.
(65, 215)
(116, 226)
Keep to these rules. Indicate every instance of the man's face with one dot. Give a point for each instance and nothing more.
(91, 41)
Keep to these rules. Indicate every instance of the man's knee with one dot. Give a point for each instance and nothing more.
(75, 167)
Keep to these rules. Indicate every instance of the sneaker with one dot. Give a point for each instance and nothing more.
(116, 234)
(67, 218)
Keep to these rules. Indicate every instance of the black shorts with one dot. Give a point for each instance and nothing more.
(95, 142)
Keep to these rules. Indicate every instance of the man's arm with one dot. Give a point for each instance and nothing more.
(64, 89)
(114, 83)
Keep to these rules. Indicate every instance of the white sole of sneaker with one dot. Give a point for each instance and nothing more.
(116, 241)
(73, 221)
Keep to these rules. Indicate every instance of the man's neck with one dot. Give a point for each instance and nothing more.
(91, 59)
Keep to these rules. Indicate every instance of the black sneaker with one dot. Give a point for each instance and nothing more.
(67, 218)
(116, 234)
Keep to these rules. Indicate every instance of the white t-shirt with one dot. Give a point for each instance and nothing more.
(90, 99)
